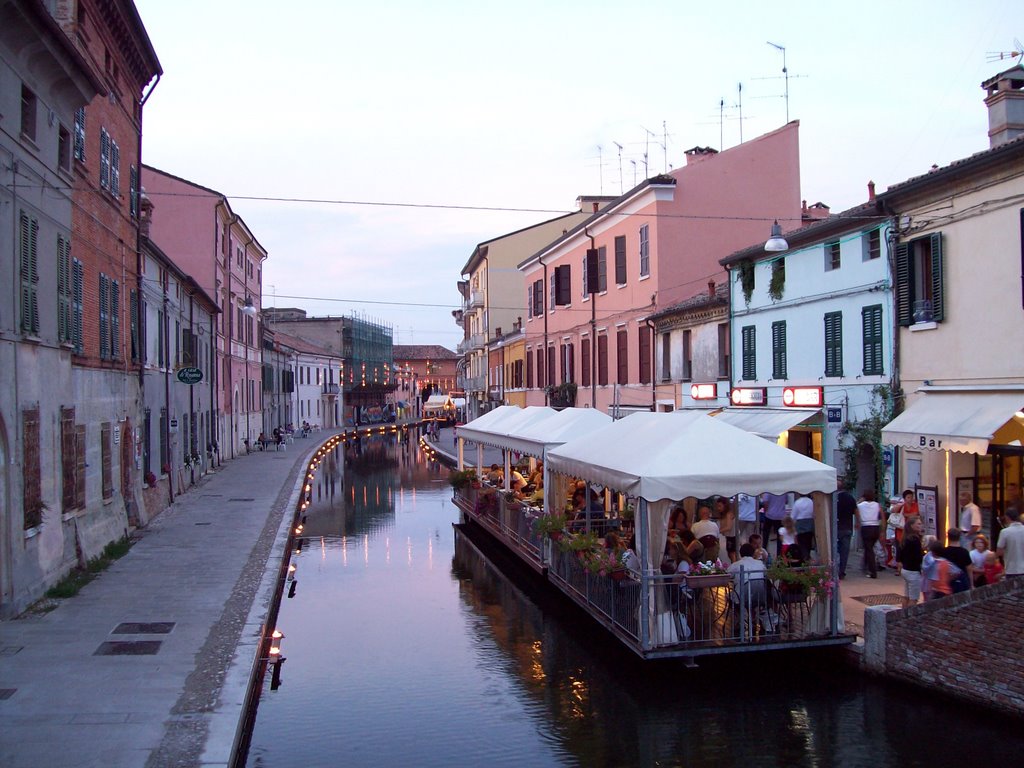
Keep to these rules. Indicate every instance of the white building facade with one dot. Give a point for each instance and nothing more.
(812, 340)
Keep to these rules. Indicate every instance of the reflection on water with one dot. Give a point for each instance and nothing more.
(407, 647)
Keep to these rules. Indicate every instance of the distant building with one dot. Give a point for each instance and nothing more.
(429, 365)
(366, 375)
(314, 394)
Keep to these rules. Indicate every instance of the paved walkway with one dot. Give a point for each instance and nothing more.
(205, 568)
(857, 590)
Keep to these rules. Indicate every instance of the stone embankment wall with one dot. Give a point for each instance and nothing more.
(969, 645)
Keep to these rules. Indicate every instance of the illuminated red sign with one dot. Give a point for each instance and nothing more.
(748, 396)
(803, 397)
(704, 391)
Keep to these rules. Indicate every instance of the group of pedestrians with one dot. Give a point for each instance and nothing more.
(931, 569)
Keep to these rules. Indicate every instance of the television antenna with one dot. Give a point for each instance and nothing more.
(621, 190)
(1017, 53)
(785, 74)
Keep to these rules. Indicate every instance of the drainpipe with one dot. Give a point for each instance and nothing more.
(650, 355)
(191, 388)
(167, 393)
(593, 332)
(544, 308)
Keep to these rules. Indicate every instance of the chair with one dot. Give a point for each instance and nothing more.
(750, 600)
(792, 605)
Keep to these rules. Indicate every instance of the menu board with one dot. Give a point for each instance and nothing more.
(928, 502)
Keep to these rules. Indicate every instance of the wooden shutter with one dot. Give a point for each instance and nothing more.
(133, 318)
(29, 245)
(68, 458)
(63, 290)
(115, 320)
(529, 369)
(80, 134)
(115, 168)
(644, 348)
(622, 356)
(104, 159)
(551, 366)
(133, 191)
(538, 298)
(871, 325)
(779, 349)
(104, 318)
(540, 368)
(563, 285)
(77, 284)
(562, 361)
(833, 343)
(570, 363)
(749, 338)
(105, 460)
(585, 362)
(904, 285)
(602, 359)
(602, 269)
(79, 466)
(938, 304)
(592, 271)
(620, 260)
(32, 492)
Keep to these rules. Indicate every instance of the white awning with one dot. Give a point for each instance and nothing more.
(958, 421)
(768, 423)
(687, 453)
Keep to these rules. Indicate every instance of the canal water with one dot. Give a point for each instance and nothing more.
(406, 646)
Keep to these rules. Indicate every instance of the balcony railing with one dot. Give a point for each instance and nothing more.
(476, 300)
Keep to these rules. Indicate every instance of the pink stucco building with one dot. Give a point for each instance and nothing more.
(657, 244)
(199, 232)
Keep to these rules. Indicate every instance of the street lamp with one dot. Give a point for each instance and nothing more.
(776, 242)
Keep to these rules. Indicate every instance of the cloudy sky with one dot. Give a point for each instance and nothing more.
(370, 146)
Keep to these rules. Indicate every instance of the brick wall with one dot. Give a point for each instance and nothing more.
(967, 645)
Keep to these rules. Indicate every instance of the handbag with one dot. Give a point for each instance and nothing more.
(896, 520)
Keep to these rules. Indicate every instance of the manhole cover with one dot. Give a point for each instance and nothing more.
(6, 693)
(143, 628)
(241, 499)
(128, 648)
(890, 598)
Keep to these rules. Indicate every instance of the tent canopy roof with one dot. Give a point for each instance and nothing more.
(687, 453)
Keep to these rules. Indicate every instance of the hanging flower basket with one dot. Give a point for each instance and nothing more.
(618, 574)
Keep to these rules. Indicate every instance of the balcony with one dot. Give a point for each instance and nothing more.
(332, 390)
(476, 383)
(477, 341)
(476, 300)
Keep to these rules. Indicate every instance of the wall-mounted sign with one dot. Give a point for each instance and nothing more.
(803, 397)
(749, 396)
(704, 391)
(189, 375)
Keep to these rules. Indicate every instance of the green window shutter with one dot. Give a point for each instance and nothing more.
(871, 322)
(833, 343)
(77, 283)
(133, 312)
(64, 329)
(29, 249)
(779, 349)
(104, 159)
(749, 339)
(620, 260)
(115, 320)
(904, 285)
(938, 308)
(104, 319)
(602, 268)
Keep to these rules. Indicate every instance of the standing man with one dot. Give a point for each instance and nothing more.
(1011, 544)
(869, 515)
(846, 511)
(803, 516)
(747, 508)
(970, 519)
(774, 509)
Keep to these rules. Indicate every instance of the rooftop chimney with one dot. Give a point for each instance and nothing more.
(711, 288)
(1005, 102)
(696, 154)
(871, 191)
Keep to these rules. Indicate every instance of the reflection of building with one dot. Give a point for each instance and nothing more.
(367, 376)
(960, 320)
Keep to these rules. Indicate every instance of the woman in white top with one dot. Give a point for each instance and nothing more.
(870, 516)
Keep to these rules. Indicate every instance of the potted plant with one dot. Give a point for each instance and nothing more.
(552, 525)
(459, 479)
(605, 562)
(708, 574)
(562, 395)
(580, 542)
